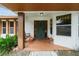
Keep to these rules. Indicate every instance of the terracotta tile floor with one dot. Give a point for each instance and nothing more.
(43, 45)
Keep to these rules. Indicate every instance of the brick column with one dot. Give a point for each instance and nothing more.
(21, 19)
(7, 27)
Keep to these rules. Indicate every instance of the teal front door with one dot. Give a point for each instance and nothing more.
(40, 29)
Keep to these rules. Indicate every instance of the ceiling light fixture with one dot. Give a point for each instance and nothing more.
(41, 13)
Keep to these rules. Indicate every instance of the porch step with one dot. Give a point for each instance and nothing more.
(43, 53)
(19, 53)
(33, 53)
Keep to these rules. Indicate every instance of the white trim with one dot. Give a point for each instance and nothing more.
(48, 11)
(11, 34)
(3, 20)
(64, 25)
(8, 20)
(3, 35)
(11, 20)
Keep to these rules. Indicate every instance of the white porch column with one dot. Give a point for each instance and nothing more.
(7, 27)
(75, 30)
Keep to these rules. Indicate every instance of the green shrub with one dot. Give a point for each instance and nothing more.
(14, 40)
(8, 43)
(2, 43)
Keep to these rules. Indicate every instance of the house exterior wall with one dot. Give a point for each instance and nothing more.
(67, 41)
(78, 33)
(78, 27)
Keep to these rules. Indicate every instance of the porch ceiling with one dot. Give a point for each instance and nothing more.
(42, 6)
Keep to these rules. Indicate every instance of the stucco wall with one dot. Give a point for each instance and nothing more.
(66, 41)
(78, 26)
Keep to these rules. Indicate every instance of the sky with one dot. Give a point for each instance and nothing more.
(6, 12)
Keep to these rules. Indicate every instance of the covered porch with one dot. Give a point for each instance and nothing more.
(59, 42)
(43, 45)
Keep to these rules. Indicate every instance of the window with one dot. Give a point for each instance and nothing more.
(11, 27)
(3, 27)
(50, 26)
(63, 25)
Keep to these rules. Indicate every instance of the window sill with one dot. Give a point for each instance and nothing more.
(3, 35)
(63, 36)
(11, 34)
